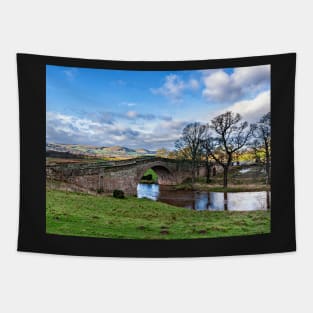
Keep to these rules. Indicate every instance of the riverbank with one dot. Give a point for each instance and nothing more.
(78, 214)
(240, 179)
(219, 188)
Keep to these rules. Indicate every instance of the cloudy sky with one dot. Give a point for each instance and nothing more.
(147, 109)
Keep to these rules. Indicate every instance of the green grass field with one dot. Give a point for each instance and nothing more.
(84, 215)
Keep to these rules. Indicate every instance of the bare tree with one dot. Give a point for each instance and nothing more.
(206, 143)
(189, 145)
(262, 133)
(231, 135)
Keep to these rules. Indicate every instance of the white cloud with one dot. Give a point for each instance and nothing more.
(174, 87)
(251, 110)
(223, 87)
(111, 117)
(251, 75)
(134, 115)
(193, 84)
(70, 73)
(131, 114)
(129, 104)
(218, 86)
(154, 134)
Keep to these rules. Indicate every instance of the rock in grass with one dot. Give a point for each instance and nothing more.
(118, 194)
(141, 227)
(202, 231)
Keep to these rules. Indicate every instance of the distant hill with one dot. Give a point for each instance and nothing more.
(94, 151)
(145, 151)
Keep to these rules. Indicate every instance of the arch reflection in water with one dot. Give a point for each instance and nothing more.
(214, 201)
(149, 191)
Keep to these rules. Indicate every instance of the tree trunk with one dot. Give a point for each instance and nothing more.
(226, 167)
(267, 170)
(208, 174)
(225, 201)
(268, 200)
(225, 176)
(214, 171)
(193, 172)
(208, 171)
(267, 164)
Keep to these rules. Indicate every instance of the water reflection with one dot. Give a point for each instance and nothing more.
(214, 201)
(149, 191)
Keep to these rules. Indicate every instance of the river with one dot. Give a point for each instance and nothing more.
(203, 200)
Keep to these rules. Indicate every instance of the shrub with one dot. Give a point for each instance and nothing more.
(118, 194)
(147, 177)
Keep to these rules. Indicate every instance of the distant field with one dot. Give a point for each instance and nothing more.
(58, 160)
(50, 161)
(84, 215)
(73, 151)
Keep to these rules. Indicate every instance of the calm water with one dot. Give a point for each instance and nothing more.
(202, 200)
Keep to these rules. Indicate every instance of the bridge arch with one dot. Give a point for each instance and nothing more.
(165, 174)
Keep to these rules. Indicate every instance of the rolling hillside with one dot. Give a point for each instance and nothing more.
(95, 151)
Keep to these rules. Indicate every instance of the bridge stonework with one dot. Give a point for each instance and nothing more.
(123, 175)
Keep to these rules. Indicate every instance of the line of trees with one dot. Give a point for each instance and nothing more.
(222, 140)
(262, 143)
(190, 145)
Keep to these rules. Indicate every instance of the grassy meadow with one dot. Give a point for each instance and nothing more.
(78, 214)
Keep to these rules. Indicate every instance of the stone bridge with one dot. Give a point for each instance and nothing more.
(123, 175)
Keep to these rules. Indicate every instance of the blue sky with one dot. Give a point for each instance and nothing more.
(146, 109)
